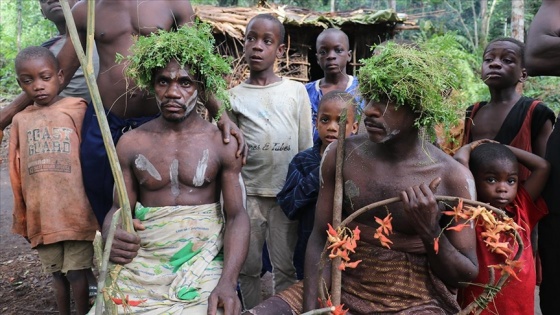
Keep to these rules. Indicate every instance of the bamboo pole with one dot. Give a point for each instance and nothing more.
(336, 274)
(87, 66)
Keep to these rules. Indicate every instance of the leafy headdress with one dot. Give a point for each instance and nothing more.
(191, 45)
(420, 76)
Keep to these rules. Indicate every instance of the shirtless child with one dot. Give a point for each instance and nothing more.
(175, 167)
(127, 107)
(391, 160)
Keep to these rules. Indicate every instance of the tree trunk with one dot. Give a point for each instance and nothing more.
(517, 20)
(394, 5)
(19, 9)
(332, 6)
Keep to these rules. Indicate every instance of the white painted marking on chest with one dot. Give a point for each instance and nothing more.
(174, 177)
(198, 179)
(143, 164)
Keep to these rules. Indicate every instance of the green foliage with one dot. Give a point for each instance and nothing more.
(34, 30)
(430, 78)
(546, 90)
(189, 45)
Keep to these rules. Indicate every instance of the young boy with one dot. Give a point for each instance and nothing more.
(333, 54)
(496, 174)
(508, 117)
(275, 117)
(51, 209)
(299, 195)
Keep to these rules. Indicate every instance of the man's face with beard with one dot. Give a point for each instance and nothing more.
(176, 91)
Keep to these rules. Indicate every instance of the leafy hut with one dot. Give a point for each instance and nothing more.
(365, 28)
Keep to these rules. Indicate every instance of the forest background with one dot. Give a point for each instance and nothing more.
(471, 22)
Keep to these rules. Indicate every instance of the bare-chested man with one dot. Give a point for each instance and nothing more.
(543, 58)
(185, 259)
(393, 160)
(116, 22)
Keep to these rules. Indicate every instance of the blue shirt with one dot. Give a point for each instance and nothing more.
(315, 95)
(299, 196)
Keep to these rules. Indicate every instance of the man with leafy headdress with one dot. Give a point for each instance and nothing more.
(418, 267)
(187, 254)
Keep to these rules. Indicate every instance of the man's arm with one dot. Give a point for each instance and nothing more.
(17, 105)
(125, 245)
(539, 167)
(236, 238)
(542, 52)
(318, 238)
(455, 263)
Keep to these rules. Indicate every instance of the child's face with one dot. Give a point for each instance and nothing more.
(40, 80)
(328, 118)
(501, 65)
(496, 183)
(332, 52)
(262, 44)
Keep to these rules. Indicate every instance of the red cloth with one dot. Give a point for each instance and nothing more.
(515, 297)
(521, 141)
(50, 203)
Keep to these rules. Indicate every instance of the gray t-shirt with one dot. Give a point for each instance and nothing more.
(276, 122)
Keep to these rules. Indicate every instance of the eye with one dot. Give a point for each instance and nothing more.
(185, 83)
(512, 181)
(324, 120)
(487, 59)
(249, 39)
(46, 78)
(508, 61)
(322, 52)
(268, 41)
(491, 180)
(339, 51)
(162, 82)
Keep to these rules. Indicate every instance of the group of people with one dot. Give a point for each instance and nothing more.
(205, 206)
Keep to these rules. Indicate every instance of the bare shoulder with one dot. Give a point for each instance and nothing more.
(79, 12)
(457, 179)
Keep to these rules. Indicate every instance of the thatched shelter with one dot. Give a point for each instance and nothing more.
(365, 28)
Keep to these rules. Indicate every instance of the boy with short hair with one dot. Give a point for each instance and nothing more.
(508, 117)
(51, 209)
(299, 195)
(333, 54)
(275, 117)
(496, 174)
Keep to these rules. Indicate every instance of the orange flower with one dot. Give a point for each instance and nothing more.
(356, 233)
(382, 238)
(457, 211)
(507, 269)
(339, 310)
(458, 227)
(385, 224)
(436, 245)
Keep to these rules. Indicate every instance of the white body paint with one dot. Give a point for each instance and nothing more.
(471, 186)
(243, 191)
(198, 179)
(143, 164)
(174, 177)
(321, 181)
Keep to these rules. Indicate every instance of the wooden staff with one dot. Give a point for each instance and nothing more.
(87, 66)
(336, 274)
